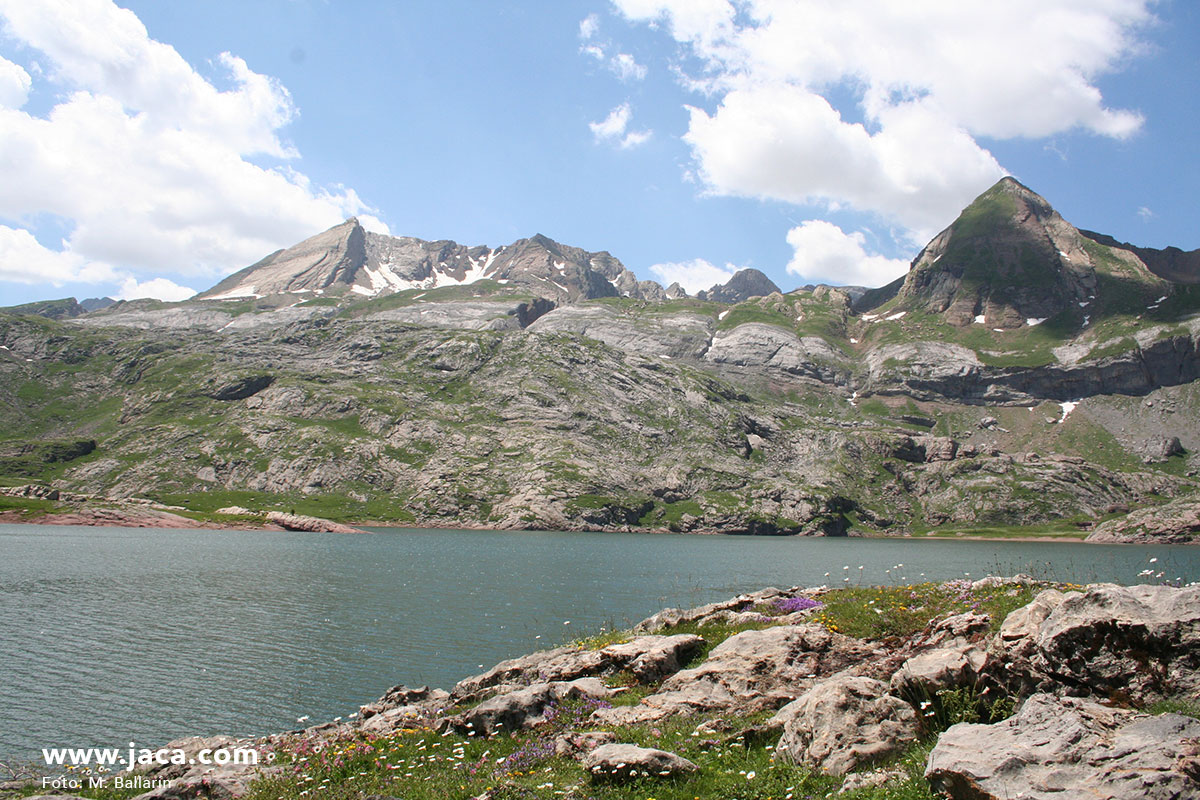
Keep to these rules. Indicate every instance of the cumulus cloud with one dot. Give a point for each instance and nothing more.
(928, 81)
(155, 289)
(693, 275)
(824, 253)
(23, 259)
(145, 161)
(614, 129)
(15, 84)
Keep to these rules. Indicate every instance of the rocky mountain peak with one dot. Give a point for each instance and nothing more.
(1009, 258)
(744, 284)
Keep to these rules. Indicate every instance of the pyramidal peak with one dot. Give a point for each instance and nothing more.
(1007, 259)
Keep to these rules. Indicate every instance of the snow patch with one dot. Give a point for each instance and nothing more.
(363, 291)
(1067, 408)
(980, 319)
(998, 330)
(1086, 320)
(1085, 303)
(723, 314)
(853, 398)
(237, 293)
(853, 340)
(1031, 321)
(897, 315)
(869, 317)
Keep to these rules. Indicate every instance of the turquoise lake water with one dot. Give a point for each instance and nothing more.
(112, 635)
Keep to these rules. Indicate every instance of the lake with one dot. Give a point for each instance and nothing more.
(114, 635)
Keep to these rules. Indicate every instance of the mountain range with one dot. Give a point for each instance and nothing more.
(1023, 372)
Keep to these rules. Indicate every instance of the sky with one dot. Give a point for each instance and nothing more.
(148, 149)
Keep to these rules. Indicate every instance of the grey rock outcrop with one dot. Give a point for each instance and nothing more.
(625, 762)
(1177, 522)
(761, 345)
(674, 335)
(844, 722)
(1137, 643)
(1057, 748)
(751, 671)
(299, 522)
(649, 658)
(524, 707)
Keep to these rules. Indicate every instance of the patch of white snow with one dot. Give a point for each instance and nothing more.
(980, 319)
(1031, 321)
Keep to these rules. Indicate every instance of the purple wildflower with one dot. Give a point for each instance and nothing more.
(789, 605)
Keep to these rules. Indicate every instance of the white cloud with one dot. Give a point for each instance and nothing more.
(155, 288)
(24, 260)
(145, 160)
(928, 78)
(623, 65)
(693, 275)
(15, 84)
(1145, 213)
(614, 129)
(824, 253)
(588, 26)
(627, 68)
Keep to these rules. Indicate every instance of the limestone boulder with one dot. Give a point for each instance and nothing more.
(649, 658)
(525, 707)
(845, 722)
(1057, 748)
(620, 763)
(1129, 643)
(749, 672)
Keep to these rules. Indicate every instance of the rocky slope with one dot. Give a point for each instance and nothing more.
(1022, 373)
(994, 689)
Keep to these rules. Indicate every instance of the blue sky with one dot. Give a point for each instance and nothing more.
(151, 148)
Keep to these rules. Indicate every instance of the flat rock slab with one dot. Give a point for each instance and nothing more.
(625, 762)
(1060, 748)
(525, 707)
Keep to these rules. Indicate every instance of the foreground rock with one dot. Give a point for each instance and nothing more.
(625, 762)
(751, 671)
(187, 781)
(648, 658)
(845, 722)
(1055, 749)
(1125, 643)
(525, 707)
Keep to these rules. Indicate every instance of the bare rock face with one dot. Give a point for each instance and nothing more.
(299, 522)
(649, 658)
(751, 671)
(761, 345)
(844, 722)
(1177, 522)
(1137, 643)
(677, 335)
(926, 674)
(707, 613)
(525, 707)
(1067, 748)
(402, 706)
(621, 763)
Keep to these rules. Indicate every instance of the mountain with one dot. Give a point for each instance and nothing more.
(744, 284)
(348, 259)
(1021, 373)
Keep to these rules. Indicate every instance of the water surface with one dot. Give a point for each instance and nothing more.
(113, 635)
